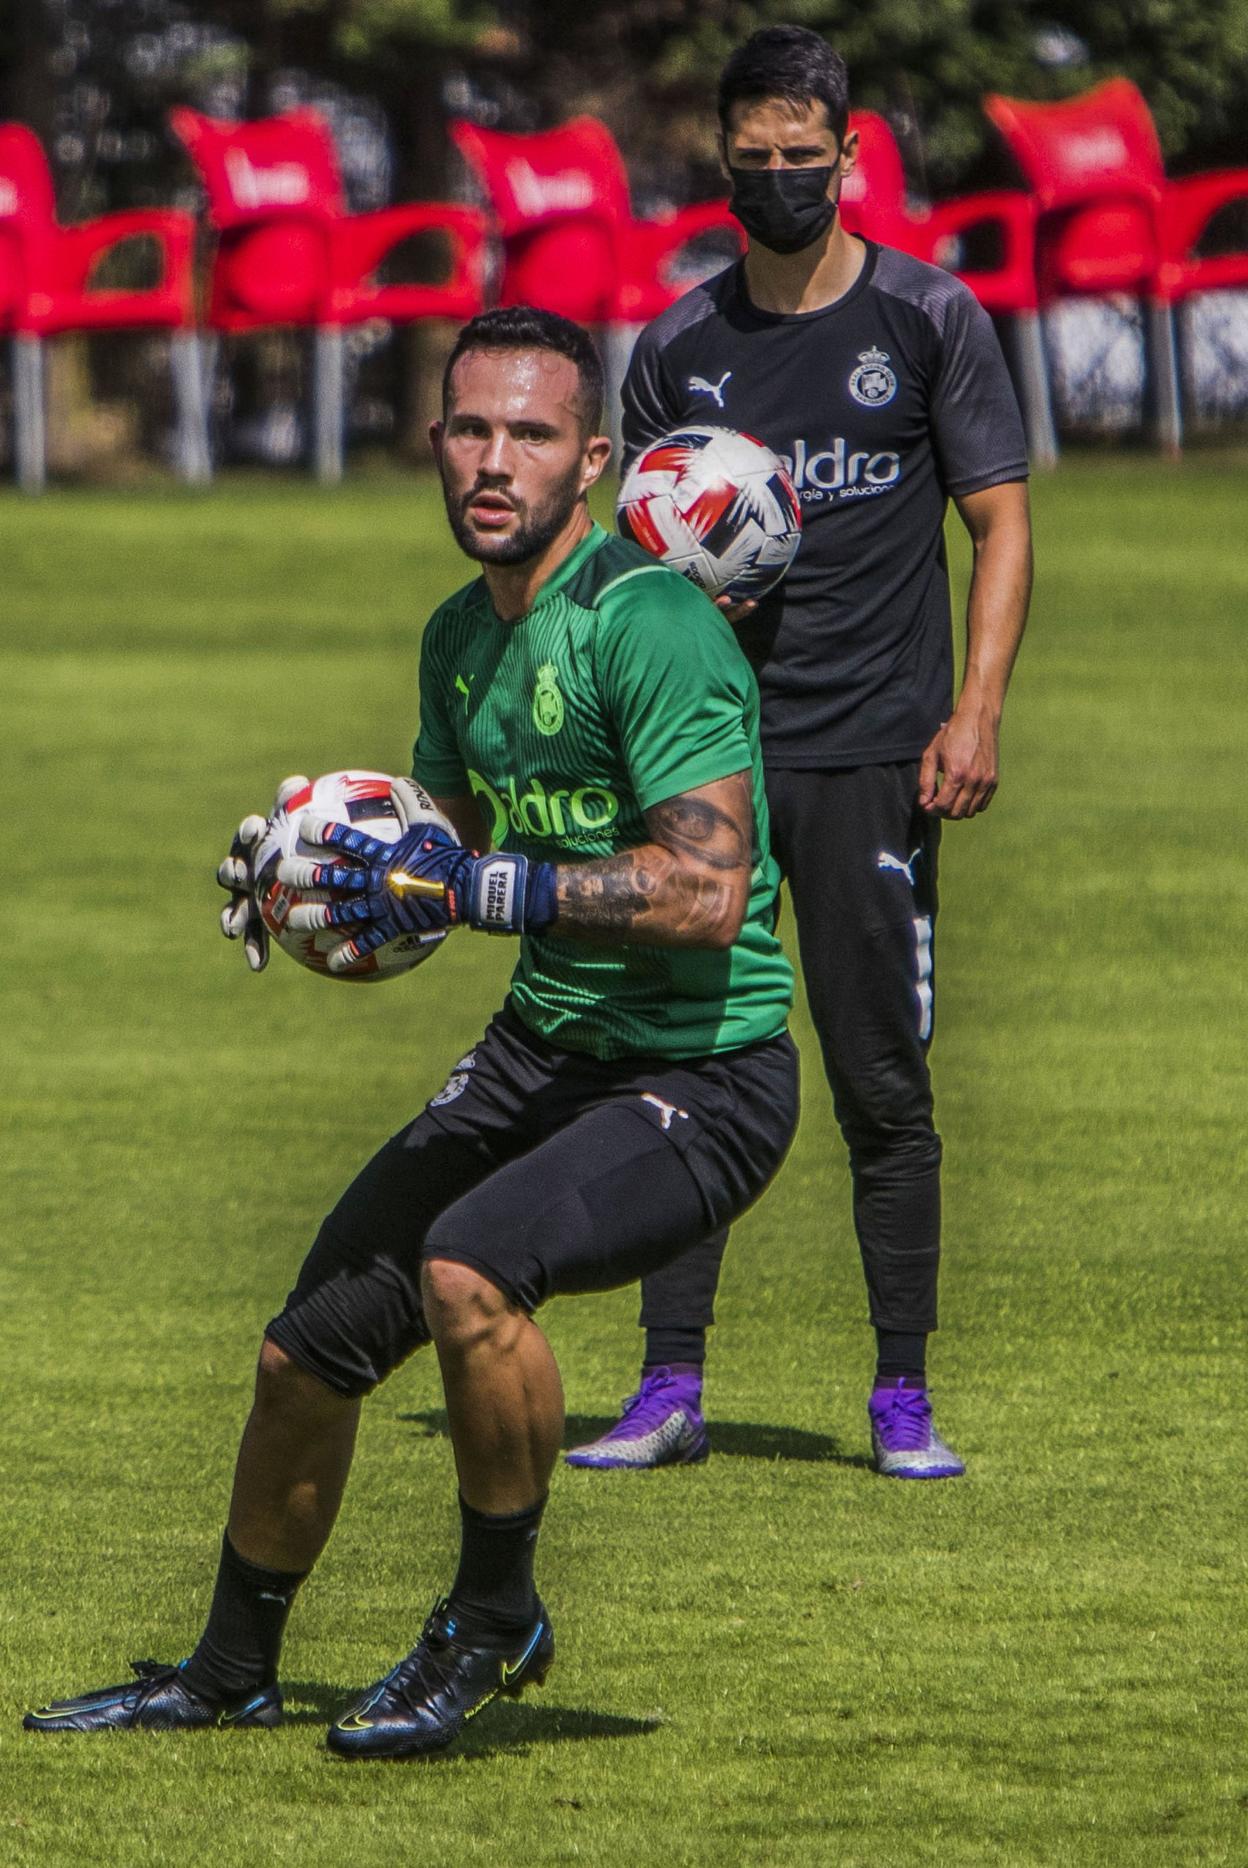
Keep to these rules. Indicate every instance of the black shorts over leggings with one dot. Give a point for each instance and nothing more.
(548, 1172)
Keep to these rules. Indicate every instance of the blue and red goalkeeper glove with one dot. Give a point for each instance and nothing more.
(423, 882)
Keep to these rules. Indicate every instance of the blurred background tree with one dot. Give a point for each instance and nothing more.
(95, 77)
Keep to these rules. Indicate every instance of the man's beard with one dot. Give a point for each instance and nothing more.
(536, 528)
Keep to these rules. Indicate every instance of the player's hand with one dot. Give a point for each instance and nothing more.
(424, 882)
(240, 918)
(736, 612)
(958, 771)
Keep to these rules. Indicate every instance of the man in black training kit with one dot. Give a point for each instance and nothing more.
(588, 711)
(880, 382)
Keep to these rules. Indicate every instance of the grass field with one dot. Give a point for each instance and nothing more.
(778, 1658)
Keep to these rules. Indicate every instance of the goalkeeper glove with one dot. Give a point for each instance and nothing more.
(423, 882)
(240, 918)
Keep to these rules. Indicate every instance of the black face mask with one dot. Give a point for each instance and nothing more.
(783, 209)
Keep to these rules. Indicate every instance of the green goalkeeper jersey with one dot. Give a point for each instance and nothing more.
(622, 686)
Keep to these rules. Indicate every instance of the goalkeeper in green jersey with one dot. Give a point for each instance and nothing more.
(588, 724)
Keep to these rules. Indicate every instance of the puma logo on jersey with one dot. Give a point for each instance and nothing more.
(886, 860)
(667, 1111)
(699, 385)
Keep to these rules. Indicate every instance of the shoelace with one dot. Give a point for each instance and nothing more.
(906, 1422)
(151, 1676)
(649, 1407)
(430, 1666)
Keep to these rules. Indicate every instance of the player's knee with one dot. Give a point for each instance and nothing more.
(905, 1150)
(462, 1308)
(283, 1388)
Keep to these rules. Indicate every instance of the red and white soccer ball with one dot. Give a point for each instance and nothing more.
(371, 802)
(717, 506)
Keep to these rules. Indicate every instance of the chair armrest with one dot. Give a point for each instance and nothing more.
(359, 242)
(656, 241)
(1190, 203)
(1013, 213)
(80, 247)
(646, 247)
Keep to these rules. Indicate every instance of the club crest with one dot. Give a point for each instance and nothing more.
(872, 383)
(547, 700)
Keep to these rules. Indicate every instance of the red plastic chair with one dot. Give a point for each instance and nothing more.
(1111, 222)
(874, 203)
(873, 194)
(47, 289)
(288, 252)
(570, 243)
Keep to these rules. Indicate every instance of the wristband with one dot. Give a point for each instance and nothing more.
(508, 894)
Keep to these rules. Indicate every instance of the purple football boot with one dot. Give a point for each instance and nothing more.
(661, 1425)
(905, 1443)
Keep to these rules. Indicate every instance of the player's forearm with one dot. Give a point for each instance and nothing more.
(996, 617)
(996, 612)
(650, 897)
(688, 887)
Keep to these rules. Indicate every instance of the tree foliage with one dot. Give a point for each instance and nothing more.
(925, 63)
(647, 66)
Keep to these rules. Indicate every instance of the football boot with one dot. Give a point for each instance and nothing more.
(661, 1425)
(155, 1701)
(904, 1440)
(448, 1678)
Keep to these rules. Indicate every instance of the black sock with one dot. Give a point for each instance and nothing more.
(494, 1585)
(673, 1368)
(240, 1645)
(898, 1354)
(668, 1344)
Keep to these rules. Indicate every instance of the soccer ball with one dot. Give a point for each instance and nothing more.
(717, 506)
(366, 800)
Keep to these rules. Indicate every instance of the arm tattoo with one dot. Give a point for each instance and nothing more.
(609, 896)
(693, 826)
(687, 887)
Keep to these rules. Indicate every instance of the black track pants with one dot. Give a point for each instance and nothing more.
(860, 861)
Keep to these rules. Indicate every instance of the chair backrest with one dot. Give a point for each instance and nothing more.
(27, 217)
(27, 198)
(1096, 146)
(573, 173)
(282, 167)
(873, 195)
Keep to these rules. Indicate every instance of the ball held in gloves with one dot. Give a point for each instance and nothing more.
(382, 807)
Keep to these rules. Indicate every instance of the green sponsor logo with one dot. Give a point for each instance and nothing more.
(547, 700)
(525, 806)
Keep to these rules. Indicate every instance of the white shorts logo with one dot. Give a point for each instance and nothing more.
(667, 1111)
(872, 383)
(456, 1083)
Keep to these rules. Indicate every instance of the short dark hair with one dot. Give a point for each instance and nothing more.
(524, 327)
(789, 62)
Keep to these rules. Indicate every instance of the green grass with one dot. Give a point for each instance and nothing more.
(775, 1659)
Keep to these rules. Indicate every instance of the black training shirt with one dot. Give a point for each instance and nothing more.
(882, 405)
